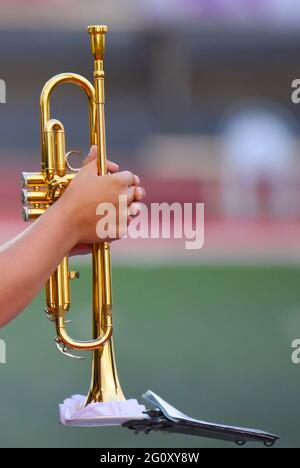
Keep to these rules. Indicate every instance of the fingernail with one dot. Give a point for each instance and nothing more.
(137, 180)
(139, 193)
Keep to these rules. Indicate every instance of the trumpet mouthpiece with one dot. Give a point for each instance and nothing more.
(97, 34)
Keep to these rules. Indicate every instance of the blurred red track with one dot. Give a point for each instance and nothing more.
(236, 240)
(224, 241)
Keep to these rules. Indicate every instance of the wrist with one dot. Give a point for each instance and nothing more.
(64, 219)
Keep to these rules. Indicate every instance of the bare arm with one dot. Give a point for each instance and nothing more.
(27, 261)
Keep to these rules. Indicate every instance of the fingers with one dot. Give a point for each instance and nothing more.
(92, 156)
(112, 167)
(130, 195)
(136, 181)
(126, 178)
(135, 194)
(90, 167)
(134, 209)
(139, 193)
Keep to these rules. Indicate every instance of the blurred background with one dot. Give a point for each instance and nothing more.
(199, 104)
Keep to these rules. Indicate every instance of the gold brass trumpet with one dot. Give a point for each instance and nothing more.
(41, 190)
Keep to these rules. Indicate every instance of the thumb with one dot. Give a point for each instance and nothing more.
(90, 167)
(91, 156)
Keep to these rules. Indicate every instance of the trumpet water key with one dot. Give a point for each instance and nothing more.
(41, 190)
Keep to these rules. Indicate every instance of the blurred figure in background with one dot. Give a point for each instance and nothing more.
(259, 163)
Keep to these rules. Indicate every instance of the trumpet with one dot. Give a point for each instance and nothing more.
(41, 190)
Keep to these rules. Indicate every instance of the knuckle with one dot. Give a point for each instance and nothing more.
(128, 174)
(116, 178)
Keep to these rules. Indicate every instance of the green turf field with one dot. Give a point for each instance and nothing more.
(214, 341)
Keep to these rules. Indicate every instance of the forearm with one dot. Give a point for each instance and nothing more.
(27, 261)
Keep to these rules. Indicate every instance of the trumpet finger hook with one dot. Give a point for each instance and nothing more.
(71, 168)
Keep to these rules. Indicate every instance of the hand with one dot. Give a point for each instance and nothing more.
(88, 190)
(112, 167)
